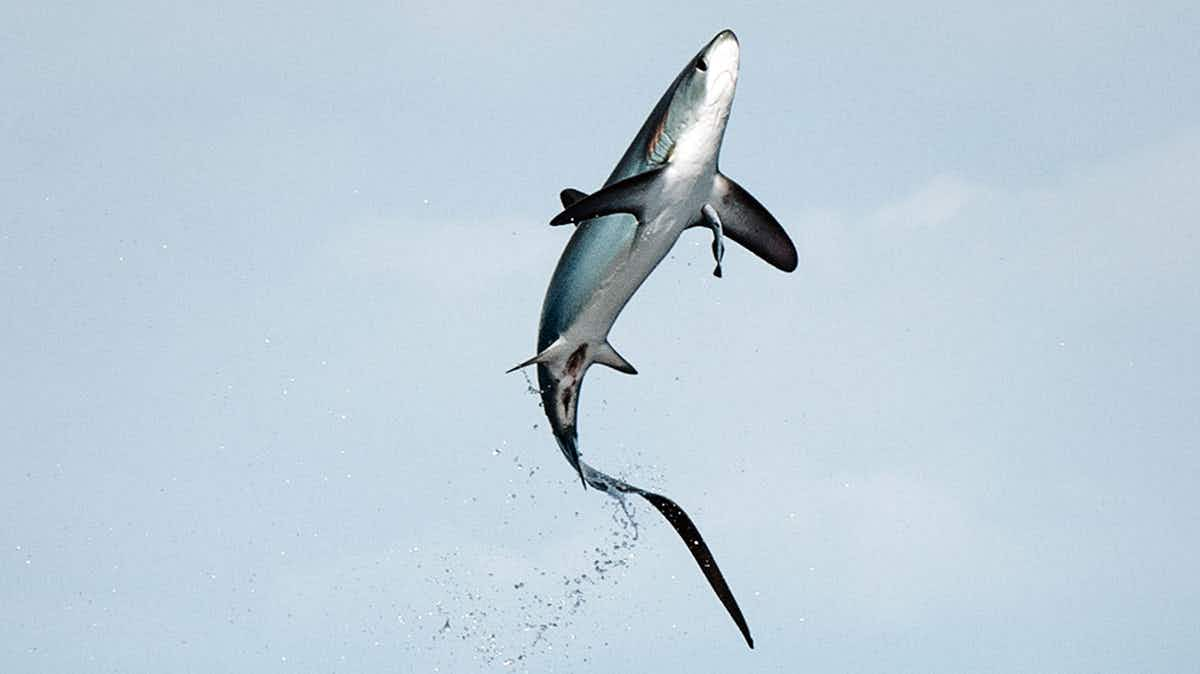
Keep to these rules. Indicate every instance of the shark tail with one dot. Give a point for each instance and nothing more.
(685, 527)
(569, 445)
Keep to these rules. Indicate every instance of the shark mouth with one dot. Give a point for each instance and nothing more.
(686, 528)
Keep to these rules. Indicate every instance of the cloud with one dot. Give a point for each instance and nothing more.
(938, 202)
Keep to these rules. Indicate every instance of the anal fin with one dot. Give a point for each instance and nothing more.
(607, 355)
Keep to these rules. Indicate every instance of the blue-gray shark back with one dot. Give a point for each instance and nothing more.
(666, 182)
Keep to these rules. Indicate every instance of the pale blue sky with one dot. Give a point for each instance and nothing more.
(264, 267)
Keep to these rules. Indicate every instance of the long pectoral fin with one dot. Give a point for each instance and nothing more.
(750, 224)
(571, 196)
(627, 196)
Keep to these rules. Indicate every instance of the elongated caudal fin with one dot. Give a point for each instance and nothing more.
(686, 528)
(569, 445)
(708, 565)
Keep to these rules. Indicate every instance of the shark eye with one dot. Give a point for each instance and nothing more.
(701, 65)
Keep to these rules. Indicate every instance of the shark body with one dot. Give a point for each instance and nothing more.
(667, 181)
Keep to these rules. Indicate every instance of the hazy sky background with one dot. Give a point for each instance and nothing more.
(263, 268)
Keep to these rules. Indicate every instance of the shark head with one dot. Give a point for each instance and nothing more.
(693, 113)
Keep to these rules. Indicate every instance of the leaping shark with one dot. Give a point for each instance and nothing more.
(666, 182)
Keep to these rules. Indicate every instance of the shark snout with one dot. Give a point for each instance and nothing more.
(725, 36)
(722, 53)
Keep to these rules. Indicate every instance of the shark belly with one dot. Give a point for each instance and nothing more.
(583, 308)
(653, 241)
(596, 277)
(584, 273)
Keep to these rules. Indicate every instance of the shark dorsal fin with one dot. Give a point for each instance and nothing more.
(627, 196)
(570, 196)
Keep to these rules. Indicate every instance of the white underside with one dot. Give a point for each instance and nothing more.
(655, 238)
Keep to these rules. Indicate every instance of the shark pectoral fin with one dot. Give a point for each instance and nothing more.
(552, 351)
(713, 220)
(627, 196)
(750, 224)
(607, 355)
(570, 196)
